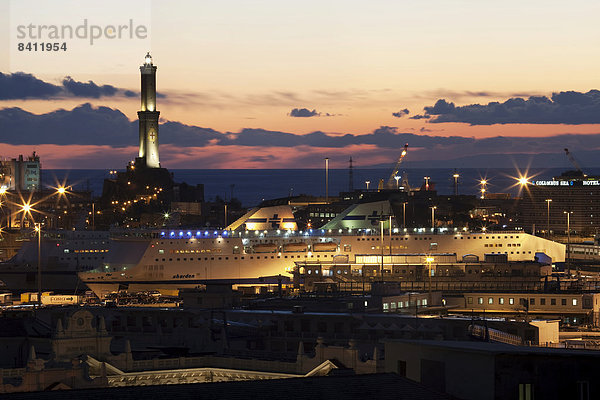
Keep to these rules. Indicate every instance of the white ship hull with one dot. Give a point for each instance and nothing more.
(170, 260)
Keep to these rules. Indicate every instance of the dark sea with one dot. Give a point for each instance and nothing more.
(252, 186)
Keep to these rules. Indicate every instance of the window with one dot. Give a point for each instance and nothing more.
(480, 300)
(490, 300)
(469, 300)
(532, 302)
(563, 302)
(552, 302)
(542, 302)
(511, 300)
(386, 306)
(574, 301)
(501, 300)
(525, 391)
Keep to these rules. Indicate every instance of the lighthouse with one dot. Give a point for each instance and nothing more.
(148, 116)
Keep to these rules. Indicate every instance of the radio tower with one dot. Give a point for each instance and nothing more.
(350, 177)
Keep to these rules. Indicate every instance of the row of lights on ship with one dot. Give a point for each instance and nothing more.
(226, 233)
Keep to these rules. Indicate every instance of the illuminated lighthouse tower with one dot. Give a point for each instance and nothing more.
(148, 116)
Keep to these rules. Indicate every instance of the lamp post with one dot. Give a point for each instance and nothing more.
(433, 218)
(483, 184)
(548, 201)
(381, 222)
(568, 240)
(403, 214)
(456, 176)
(38, 229)
(397, 178)
(429, 260)
(327, 180)
(367, 183)
(427, 178)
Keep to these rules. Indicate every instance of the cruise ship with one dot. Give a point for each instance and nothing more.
(169, 260)
(63, 255)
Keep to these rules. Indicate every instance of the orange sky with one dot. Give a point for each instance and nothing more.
(231, 65)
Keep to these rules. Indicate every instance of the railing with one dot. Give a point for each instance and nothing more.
(494, 335)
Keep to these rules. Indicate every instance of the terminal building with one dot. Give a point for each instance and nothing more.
(570, 199)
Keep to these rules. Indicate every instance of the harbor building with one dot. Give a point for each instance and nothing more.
(21, 174)
(546, 203)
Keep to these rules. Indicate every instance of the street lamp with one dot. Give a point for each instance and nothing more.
(427, 178)
(483, 184)
(38, 229)
(433, 218)
(456, 176)
(367, 183)
(548, 201)
(397, 178)
(568, 213)
(403, 214)
(429, 260)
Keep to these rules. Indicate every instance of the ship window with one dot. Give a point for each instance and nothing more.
(179, 259)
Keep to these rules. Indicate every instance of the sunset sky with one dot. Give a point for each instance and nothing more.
(231, 65)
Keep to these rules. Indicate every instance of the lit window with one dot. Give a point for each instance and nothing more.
(574, 302)
(501, 300)
(490, 300)
(511, 301)
(480, 300)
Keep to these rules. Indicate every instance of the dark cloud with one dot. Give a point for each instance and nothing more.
(26, 86)
(401, 113)
(89, 89)
(304, 113)
(570, 107)
(419, 116)
(23, 86)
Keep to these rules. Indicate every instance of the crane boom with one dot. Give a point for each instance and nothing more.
(390, 183)
(572, 160)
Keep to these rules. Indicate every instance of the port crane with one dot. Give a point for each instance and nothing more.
(392, 181)
(574, 162)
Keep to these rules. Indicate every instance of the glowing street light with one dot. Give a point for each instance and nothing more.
(548, 201)
(429, 260)
(367, 183)
(397, 178)
(433, 218)
(483, 184)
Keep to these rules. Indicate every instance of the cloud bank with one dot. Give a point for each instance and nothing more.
(22, 86)
(571, 107)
